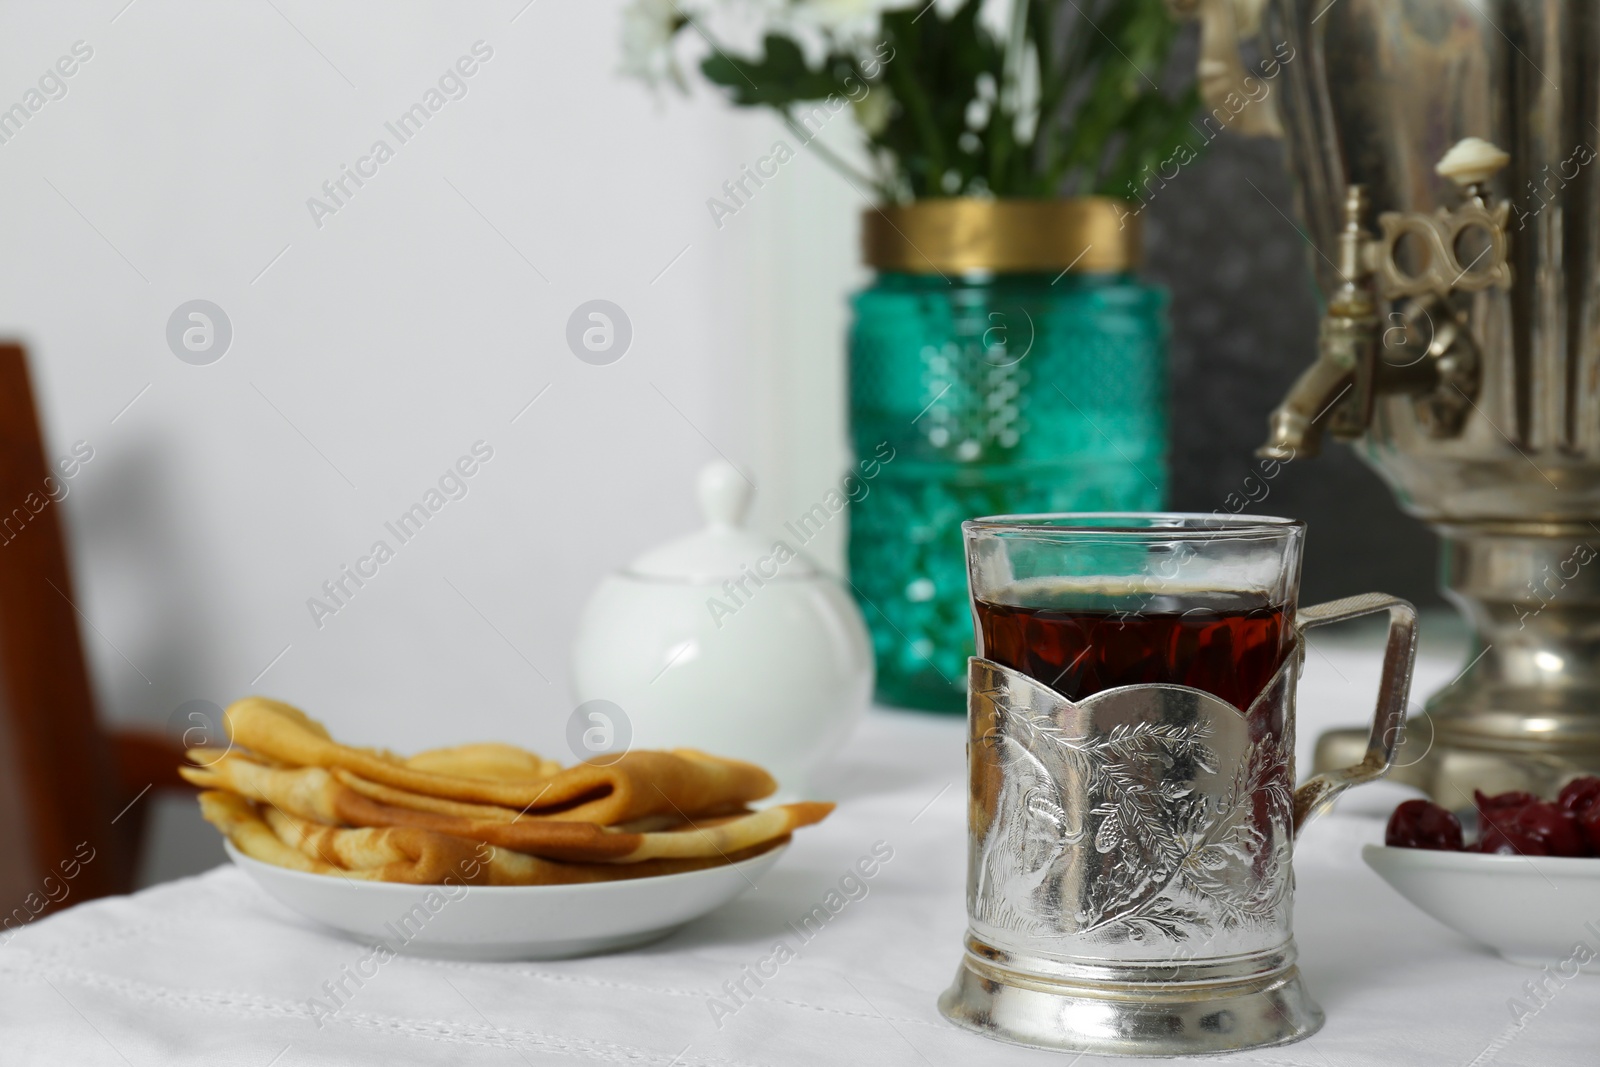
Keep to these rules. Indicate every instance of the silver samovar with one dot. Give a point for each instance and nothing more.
(1445, 160)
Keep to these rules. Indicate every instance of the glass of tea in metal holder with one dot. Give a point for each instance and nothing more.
(1132, 809)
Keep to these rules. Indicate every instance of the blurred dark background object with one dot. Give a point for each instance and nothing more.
(71, 817)
(1220, 236)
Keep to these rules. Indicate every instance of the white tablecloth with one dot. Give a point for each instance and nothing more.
(210, 971)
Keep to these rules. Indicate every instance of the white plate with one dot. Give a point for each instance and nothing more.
(1533, 910)
(543, 922)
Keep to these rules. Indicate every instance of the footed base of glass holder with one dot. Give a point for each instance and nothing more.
(1130, 1019)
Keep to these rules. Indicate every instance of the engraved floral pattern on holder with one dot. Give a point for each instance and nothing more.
(1143, 822)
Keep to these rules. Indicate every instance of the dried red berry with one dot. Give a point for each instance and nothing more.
(1423, 824)
(1504, 838)
(1589, 822)
(1580, 794)
(1537, 829)
(1503, 801)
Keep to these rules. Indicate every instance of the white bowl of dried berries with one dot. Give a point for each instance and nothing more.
(1526, 883)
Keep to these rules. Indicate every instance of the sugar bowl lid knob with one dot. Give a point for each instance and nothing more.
(724, 548)
(724, 494)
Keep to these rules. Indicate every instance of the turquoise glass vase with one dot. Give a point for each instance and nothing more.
(992, 393)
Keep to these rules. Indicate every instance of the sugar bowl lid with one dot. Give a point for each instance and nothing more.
(724, 548)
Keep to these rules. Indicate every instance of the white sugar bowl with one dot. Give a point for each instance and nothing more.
(728, 642)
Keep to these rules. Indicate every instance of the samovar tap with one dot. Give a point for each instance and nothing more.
(1438, 366)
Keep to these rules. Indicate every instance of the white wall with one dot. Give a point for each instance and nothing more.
(381, 345)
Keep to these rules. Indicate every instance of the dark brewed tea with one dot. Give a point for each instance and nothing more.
(1078, 643)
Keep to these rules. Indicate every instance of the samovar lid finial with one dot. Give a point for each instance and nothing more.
(1472, 161)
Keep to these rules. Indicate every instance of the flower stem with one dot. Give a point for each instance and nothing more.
(826, 154)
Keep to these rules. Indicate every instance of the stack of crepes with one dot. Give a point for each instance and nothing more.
(286, 793)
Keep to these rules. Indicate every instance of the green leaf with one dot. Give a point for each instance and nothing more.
(778, 79)
(1110, 112)
(933, 78)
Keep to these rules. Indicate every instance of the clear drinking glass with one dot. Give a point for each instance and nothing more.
(1088, 602)
(1133, 811)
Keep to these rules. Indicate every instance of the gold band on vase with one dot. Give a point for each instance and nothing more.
(960, 234)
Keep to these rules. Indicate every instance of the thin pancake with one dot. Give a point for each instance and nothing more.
(315, 794)
(399, 854)
(492, 760)
(401, 798)
(299, 844)
(509, 867)
(239, 823)
(635, 785)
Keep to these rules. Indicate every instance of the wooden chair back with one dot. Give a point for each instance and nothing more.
(72, 803)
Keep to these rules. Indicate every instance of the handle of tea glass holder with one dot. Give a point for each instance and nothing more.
(1394, 690)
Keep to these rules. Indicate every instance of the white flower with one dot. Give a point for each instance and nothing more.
(874, 110)
(995, 16)
(648, 29)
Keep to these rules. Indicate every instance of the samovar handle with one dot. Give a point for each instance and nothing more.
(1394, 692)
(1470, 165)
